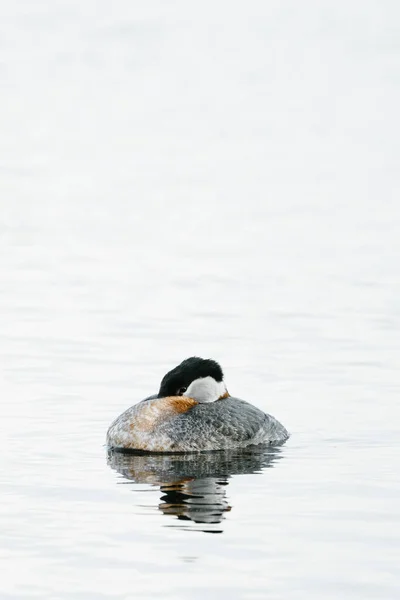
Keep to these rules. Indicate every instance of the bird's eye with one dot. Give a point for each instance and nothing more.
(181, 391)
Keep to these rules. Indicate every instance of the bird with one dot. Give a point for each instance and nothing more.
(193, 412)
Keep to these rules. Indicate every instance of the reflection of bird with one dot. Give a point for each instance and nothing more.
(193, 485)
(193, 411)
(198, 500)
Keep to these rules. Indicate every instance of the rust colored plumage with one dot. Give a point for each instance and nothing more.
(153, 413)
(180, 404)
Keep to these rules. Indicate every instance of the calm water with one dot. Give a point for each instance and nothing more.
(217, 179)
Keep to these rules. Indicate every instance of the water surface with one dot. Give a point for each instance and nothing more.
(219, 180)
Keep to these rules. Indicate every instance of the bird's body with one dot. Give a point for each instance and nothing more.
(194, 420)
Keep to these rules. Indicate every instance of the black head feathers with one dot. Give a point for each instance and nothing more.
(175, 382)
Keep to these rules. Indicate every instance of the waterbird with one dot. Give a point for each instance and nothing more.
(193, 412)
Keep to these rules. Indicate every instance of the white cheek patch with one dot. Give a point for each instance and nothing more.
(206, 389)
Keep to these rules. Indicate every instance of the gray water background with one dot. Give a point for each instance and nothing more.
(220, 179)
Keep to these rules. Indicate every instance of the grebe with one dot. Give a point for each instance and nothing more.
(193, 412)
